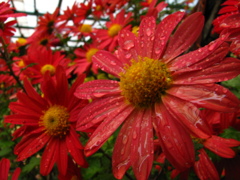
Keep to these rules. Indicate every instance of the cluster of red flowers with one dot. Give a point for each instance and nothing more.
(166, 101)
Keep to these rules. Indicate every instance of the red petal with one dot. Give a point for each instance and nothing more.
(227, 69)
(231, 21)
(76, 153)
(201, 58)
(221, 146)
(22, 119)
(16, 174)
(186, 34)
(129, 46)
(97, 88)
(62, 159)
(108, 62)
(142, 145)
(106, 128)
(4, 168)
(49, 156)
(122, 148)
(211, 96)
(205, 168)
(174, 140)
(188, 115)
(146, 36)
(163, 32)
(98, 110)
(29, 145)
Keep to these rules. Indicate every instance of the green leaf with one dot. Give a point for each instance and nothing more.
(34, 161)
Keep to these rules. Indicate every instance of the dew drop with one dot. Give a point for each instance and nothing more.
(122, 151)
(124, 140)
(113, 63)
(148, 32)
(128, 55)
(128, 45)
(134, 134)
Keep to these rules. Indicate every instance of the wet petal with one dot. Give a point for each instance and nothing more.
(186, 34)
(174, 140)
(108, 62)
(163, 32)
(97, 88)
(122, 148)
(49, 157)
(227, 69)
(76, 153)
(204, 167)
(62, 157)
(188, 115)
(221, 146)
(97, 111)
(211, 96)
(142, 145)
(200, 58)
(146, 36)
(22, 119)
(231, 21)
(106, 128)
(29, 145)
(129, 46)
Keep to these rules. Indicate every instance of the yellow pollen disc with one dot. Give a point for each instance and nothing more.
(21, 63)
(98, 8)
(90, 53)
(86, 28)
(56, 121)
(48, 67)
(21, 41)
(144, 82)
(114, 29)
(135, 30)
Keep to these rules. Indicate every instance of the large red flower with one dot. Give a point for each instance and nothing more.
(160, 90)
(48, 120)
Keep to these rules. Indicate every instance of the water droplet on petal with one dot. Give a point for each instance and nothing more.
(134, 134)
(128, 44)
(124, 140)
(122, 151)
(148, 32)
(128, 55)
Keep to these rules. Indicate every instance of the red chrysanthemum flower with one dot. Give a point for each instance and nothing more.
(49, 121)
(230, 8)
(4, 170)
(108, 37)
(83, 61)
(44, 61)
(160, 90)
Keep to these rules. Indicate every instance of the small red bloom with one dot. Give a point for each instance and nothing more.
(108, 37)
(49, 121)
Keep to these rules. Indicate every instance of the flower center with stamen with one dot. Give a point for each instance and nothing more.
(48, 67)
(114, 29)
(56, 121)
(86, 28)
(90, 53)
(144, 82)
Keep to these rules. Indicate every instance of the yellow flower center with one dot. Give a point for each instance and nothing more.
(114, 29)
(98, 8)
(86, 28)
(56, 121)
(135, 30)
(90, 53)
(21, 41)
(21, 63)
(48, 67)
(144, 82)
